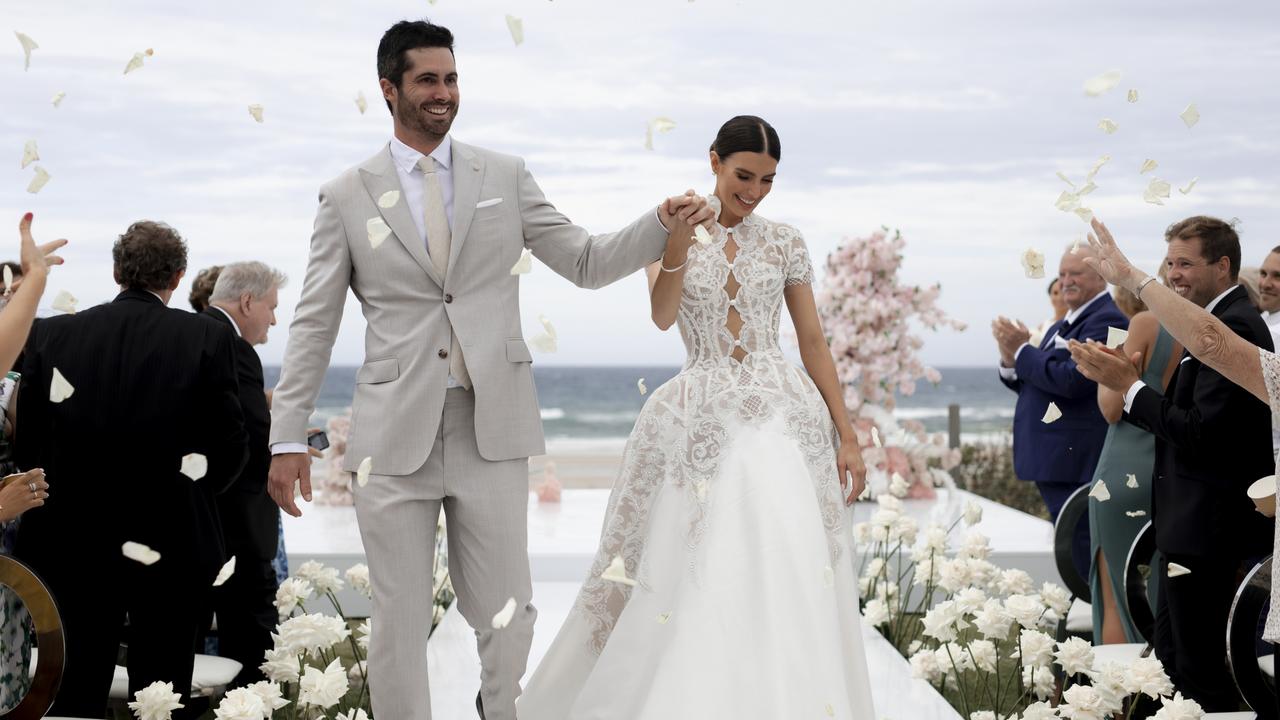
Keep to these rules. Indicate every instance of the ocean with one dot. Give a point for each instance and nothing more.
(595, 407)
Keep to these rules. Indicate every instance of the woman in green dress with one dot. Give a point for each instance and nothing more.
(1126, 467)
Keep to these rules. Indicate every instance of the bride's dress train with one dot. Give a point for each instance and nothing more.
(728, 515)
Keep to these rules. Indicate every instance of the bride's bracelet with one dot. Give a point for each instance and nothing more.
(664, 268)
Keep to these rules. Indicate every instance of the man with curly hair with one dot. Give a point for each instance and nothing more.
(113, 399)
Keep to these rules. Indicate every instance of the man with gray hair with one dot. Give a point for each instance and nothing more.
(245, 298)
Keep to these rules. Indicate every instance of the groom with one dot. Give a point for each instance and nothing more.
(425, 234)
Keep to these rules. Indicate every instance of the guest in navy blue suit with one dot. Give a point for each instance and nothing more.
(1059, 456)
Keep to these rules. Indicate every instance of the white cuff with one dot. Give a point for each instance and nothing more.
(281, 448)
(1018, 352)
(1132, 393)
(658, 216)
(1008, 373)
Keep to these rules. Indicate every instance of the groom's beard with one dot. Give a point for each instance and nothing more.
(419, 120)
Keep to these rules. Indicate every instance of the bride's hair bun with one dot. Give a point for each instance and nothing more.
(747, 133)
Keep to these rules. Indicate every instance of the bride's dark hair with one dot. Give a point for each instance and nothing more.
(747, 133)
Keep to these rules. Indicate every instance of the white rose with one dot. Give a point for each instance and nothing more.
(358, 672)
(1057, 598)
(1026, 610)
(291, 593)
(281, 665)
(907, 528)
(1075, 655)
(323, 688)
(358, 576)
(269, 692)
(364, 630)
(941, 621)
(1147, 676)
(924, 665)
(953, 575)
(156, 701)
(1036, 648)
(241, 704)
(876, 613)
(972, 513)
(356, 714)
(975, 545)
(953, 659)
(1082, 702)
(879, 534)
(981, 572)
(984, 655)
(889, 503)
(1039, 711)
(324, 579)
(1040, 680)
(1179, 708)
(926, 572)
(1109, 679)
(312, 633)
(971, 599)
(1015, 582)
(982, 715)
(992, 621)
(862, 533)
(874, 567)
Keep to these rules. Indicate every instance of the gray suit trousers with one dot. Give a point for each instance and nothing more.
(486, 514)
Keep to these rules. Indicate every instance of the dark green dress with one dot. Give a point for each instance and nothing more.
(1128, 450)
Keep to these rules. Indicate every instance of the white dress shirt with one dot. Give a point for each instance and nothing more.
(1133, 390)
(1009, 373)
(234, 324)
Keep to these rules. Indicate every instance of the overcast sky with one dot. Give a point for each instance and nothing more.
(947, 120)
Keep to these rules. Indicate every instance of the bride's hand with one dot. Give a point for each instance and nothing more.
(853, 473)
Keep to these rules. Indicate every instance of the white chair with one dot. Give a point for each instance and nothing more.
(209, 678)
(1080, 618)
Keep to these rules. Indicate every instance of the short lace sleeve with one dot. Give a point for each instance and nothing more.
(799, 266)
(1271, 375)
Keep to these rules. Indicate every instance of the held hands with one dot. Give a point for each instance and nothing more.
(853, 473)
(1109, 368)
(688, 209)
(1110, 263)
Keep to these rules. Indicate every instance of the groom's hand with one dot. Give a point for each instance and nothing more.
(288, 470)
(690, 207)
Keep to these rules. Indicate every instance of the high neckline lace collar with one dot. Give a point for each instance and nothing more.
(751, 220)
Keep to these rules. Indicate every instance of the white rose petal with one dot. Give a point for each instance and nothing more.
(361, 103)
(358, 576)
(1133, 96)
(545, 341)
(1186, 190)
(358, 713)
(281, 665)
(38, 182)
(1075, 247)
(1067, 201)
(1135, 513)
(362, 472)
(1084, 214)
(828, 577)
(378, 231)
(1095, 86)
(194, 466)
(156, 701)
(1100, 491)
(135, 62)
(312, 633)
(1108, 126)
(503, 618)
(516, 26)
(27, 46)
(1132, 480)
(224, 574)
(139, 553)
(388, 199)
(1033, 263)
(898, 485)
(255, 111)
(1063, 177)
(1096, 167)
(641, 387)
(59, 388)
(664, 618)
(657, 125)
(1148, 165)
(1116, 337)
(1191, 115)
(270, 694)
(241, 704)
(1176, 570)
(617, 572)
(65, 302)
(323, 689)
(524, 265)
(1086, 189)
(57, 98)
(701, 235)
(1156, 190)
(1051, 414)
(1075, 655)
(29, 153)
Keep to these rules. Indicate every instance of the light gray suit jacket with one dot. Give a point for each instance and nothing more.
(400, 387)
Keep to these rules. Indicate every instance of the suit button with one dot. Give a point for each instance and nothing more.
(442, 353)
(448, 298)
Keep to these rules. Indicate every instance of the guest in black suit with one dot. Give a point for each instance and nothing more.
(1213, 439)
(244, 299)
(151, 385)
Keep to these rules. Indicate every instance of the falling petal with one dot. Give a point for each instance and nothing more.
(1187, 189)
(57, 98)
(1067, 201)
(363, 470)
(828, 577)
(1135, 513)
(664, 618)
(139, 553)
(1033, 263)
(1075, 247)
(1108, 126)
(1191, 115)
(1133, 96)
(38, 181)
(59, 388)
(1095, 86)
(65, 302)
(256, 111)
(224, 574)
(1084, 214)
(1088, 188)
(640, 386)
(1051, 414)
(516, 26)
(1156, 190)
(617, 572)
(1100, 492)
(1096, 167)
(1116, 337)
(194, 466)
(1176, 570)
(503, 618)
(8, 279)
(657, 125)
(524, 265)
(135, 63)
(29, 153)
(361, 103)
(1148, 165)
(27, 46)
(546, 340)
(875, 437)
(701, 235)
(831, 711)
(388, 199)
(378, 231)
(1132, 480)
(1063, 177)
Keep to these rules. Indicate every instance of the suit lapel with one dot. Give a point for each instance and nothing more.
(379, 176)
(468, 171)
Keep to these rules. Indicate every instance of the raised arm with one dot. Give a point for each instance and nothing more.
(20, 312)
(666, 277)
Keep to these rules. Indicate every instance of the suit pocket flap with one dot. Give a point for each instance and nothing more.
(378, 371)
(517, 351)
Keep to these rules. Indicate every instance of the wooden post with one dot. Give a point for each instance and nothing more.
(953, 426)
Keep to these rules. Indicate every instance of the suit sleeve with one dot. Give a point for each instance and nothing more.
(315, 325)
(33, 421)
(1209, 420)
(1054, 372)
(226, 443)
(588, 261)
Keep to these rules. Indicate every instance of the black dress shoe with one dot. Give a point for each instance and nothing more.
(479, 706)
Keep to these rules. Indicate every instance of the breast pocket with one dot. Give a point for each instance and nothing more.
(517, 351)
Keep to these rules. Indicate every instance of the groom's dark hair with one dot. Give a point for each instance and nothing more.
(399, 39)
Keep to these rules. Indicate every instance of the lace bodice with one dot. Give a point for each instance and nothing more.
(1271, 376)
(739, 277)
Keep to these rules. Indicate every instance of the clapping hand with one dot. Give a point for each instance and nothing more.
(1010, 335)
(1110, 263)
(1109, 368)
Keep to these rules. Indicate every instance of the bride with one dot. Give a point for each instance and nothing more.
(725, 585)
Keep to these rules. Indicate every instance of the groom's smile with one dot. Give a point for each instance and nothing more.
(426, 99)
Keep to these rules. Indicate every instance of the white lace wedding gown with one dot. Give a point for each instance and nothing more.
(728, 515)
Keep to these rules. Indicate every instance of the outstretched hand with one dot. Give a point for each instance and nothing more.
(36, 259)
(1110, 263)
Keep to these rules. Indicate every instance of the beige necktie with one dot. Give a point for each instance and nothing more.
(439, 238)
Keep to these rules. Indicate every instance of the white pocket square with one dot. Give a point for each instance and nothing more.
(488, 203)
(1060, 344)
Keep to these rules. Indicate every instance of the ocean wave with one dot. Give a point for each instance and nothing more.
(552, 413)
(993, 412)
